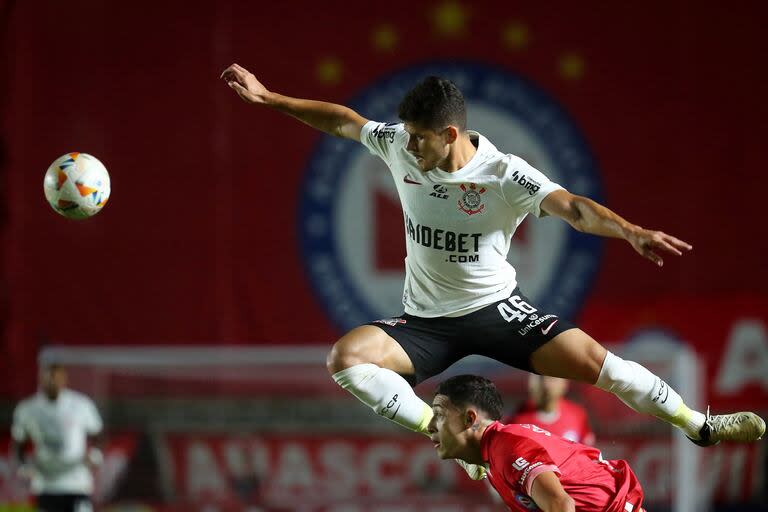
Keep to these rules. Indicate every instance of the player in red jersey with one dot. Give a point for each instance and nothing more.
(548, 408)
(529, 467)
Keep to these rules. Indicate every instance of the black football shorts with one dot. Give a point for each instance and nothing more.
(64, 503)
(508, 331)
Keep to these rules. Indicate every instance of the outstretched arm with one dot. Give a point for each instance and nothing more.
(590, 217)
(330, 118)
(548, 493)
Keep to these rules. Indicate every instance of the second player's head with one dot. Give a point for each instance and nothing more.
(546, 392)
(463, 406)
(53, 378)
(435, 116)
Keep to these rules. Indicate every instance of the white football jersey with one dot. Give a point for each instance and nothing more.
(58, 429)
(458, 225)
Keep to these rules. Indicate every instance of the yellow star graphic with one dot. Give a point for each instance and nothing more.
(384, 38)
(571, 66)
(329, 70)
(515, 36)
(449, 18)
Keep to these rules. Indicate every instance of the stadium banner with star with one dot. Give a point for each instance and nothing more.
(231, 223)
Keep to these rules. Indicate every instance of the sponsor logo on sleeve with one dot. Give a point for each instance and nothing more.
(529, 184)
(385, 131)
(520, 464)
(525, 474)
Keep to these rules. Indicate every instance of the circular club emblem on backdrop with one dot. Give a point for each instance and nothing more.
(351, 223)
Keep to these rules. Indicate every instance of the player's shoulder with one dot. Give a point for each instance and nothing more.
(518, 429)
(76, 397)
(509, 163)
(511, 432)
(26, 405)
(512, 441)
(501, 166)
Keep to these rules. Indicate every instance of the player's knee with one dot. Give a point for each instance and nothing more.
(595, 356)
(589, 362)
(336, 360)
(344, 355)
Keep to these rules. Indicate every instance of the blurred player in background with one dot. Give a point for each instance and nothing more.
(461, 295)
(527, 464)
(548, 408)
(57, 421)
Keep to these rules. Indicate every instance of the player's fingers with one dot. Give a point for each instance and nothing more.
(229, 71)
(240, 90)
(233, 73)
(653, 257)
(663, 244)
(678, 243)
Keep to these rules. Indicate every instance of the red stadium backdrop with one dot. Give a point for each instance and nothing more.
(203, 241)
(198, 244)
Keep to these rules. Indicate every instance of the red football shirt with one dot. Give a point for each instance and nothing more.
(570, 421)
(517, 454)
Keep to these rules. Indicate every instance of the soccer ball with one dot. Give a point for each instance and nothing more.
(77, 185)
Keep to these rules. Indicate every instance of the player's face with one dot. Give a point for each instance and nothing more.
(53, 380)
(544, 390)
(428, 146)
(448, 428)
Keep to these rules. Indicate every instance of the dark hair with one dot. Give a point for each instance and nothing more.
(434, 103)
(466, 390)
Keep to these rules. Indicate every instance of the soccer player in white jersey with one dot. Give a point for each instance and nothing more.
(58, 421)
(461, 295)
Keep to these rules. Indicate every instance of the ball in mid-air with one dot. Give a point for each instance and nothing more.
(77, 185)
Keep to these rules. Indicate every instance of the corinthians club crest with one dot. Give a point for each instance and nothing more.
(471, 201)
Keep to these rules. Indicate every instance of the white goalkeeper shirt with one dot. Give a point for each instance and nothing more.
(458, 225)
(58, 429)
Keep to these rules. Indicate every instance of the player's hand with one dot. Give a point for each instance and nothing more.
(94, 458)
(245, 84)
(648, 243)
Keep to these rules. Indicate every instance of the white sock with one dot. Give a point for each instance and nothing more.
(646, 393)
(387, 393)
